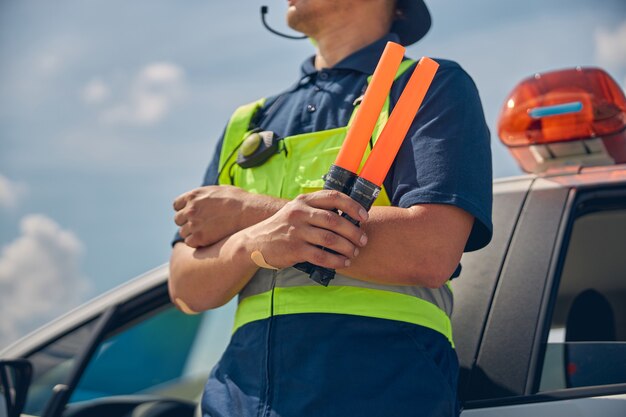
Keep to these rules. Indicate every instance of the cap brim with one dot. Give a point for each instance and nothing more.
(414, 23)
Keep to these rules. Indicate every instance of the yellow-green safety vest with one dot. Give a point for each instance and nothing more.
(298, 168)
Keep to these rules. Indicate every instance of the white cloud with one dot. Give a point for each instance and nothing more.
(611, 47)
(161, 72)
(11, 192)
(153, 92)
(40, 276)
(95, 91)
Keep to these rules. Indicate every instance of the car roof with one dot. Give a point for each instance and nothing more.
(573, 176)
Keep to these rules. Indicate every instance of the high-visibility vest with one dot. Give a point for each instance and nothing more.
(298, 168)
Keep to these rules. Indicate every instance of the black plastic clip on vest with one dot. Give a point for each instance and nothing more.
(257, 147)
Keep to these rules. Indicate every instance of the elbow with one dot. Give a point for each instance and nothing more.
(437, 279)
(433, 273)
(181, 298)
(188, 294)
(192, 302)
(181, 301)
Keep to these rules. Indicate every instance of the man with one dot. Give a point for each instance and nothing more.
(377, 341)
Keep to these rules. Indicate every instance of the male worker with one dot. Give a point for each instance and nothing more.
(376, 341)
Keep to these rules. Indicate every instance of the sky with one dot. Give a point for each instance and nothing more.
(110, 109)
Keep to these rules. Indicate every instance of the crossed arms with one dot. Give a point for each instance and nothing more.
(222, 225)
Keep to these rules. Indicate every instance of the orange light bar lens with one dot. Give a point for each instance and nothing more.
(562, 106)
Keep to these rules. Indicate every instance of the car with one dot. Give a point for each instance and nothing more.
(539, 317)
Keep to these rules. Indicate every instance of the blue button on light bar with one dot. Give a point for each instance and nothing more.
(559, 109)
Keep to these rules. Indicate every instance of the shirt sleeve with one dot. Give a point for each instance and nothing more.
(446, 157)
(210, 177)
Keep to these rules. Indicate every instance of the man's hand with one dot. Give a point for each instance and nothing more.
(293, 234)
(208, 214)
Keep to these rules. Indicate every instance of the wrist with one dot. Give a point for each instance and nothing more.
(258, 207)
(245, 245)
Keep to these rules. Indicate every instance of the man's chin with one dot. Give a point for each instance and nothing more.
(294, 21)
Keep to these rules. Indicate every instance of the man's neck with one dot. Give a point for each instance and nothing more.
(335, 45)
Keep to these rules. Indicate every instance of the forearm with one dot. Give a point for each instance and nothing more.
(208, 214)
(208, 277)
(421, 245)
(258, 207)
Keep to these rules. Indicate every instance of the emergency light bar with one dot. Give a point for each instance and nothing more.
(564, 118)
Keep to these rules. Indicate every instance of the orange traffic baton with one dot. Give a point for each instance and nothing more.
(368, 184)
(342, 174)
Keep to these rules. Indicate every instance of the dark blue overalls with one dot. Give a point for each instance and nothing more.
(353, 348)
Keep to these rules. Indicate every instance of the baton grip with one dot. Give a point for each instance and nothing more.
(339, 179)
(363, 192)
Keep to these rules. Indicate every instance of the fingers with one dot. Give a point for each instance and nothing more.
(185, 231)
(193, 238)
(181, 201)
(192, 242)
(331, 221)
(180, 218)
(330, 240)
(319, 257)
(331, 199)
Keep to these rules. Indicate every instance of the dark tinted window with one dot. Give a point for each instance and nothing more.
(150, 353)
(587, 341)
(165, 353)
(53, 364)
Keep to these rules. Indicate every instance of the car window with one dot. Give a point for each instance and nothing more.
(586, 345)
(167, 353)
(52, 365)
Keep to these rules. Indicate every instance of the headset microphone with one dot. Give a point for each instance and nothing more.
(264, 10)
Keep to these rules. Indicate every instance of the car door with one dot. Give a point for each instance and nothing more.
(555, 340)
(475, 287)
(140, 352)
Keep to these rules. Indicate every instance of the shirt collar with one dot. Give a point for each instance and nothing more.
(364, 60)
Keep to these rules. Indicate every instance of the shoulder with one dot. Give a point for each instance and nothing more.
(451, 83)
(256, 110)
(448, 72)
(446, 66)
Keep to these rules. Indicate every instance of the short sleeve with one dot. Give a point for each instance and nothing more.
(446, 158)
(210, 177)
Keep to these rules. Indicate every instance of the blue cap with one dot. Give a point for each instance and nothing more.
(413, 22)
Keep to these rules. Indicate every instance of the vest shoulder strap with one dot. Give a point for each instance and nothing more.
(237, 127)
(239, 124)
(404, 66)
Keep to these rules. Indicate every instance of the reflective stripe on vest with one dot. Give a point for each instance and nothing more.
(292, 292)
(298, 169)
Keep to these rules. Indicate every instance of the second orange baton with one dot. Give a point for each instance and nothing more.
(388, 144)
(367, 185)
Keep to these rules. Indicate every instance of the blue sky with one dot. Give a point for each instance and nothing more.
(110, 109)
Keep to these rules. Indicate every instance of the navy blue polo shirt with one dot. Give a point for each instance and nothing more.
(446, 157)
